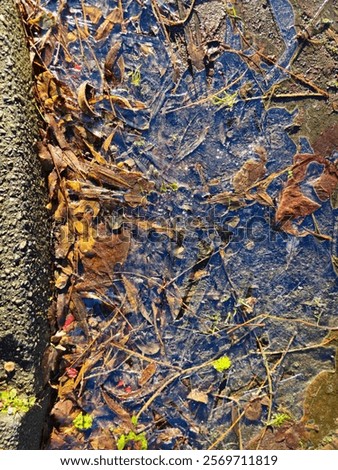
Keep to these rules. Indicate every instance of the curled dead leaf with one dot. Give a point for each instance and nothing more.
(85, 93)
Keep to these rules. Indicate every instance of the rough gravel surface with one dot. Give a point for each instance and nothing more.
(24, 235)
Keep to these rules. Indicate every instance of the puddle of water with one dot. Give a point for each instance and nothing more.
(200, 270)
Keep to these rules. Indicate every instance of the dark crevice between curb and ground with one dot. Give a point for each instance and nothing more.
(24, 245)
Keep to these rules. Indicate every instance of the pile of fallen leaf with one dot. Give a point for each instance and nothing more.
(83, 183)
(84, 186)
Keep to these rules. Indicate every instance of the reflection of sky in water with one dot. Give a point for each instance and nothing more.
(199, 148)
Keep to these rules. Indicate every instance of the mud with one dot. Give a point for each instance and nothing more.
(24, 240)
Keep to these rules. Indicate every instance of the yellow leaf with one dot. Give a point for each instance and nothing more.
(61, 280)
(74, 186)
(86, 245)
(107, 142)
(93, 13)
(82, 207)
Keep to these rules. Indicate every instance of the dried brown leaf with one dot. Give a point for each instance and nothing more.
(134, 300)
(118, 178)
(293, 204)
(263, 197)
(116, 408)
(57, 158)
(62, 412)
(53, 179)
(174, 301)
(65, 239)
(114, 17)
(233, 201)
(251, 171)
(197, 395)
(65, 387)
(253, 410)
(62, 279)
(103, 441)
(121, 101)
(80, 313)
(99, 264)
(97, 156)
(85, 93)
(45, 156)
(88, 364)
(132, 294)
(108, 140)
(327, 183)
(147, 373)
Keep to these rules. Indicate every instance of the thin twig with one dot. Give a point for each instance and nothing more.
(224, 435)
(209, 97)
(168, 22)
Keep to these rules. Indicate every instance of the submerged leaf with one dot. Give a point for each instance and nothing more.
(251, 171)
(197, 395)
(147, 373)
(116, 408)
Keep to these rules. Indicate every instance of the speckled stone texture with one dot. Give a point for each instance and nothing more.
(24, 238)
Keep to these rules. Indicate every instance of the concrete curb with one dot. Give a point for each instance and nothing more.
(24, 240)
